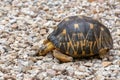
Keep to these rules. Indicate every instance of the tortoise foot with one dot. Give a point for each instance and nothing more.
(62, 57)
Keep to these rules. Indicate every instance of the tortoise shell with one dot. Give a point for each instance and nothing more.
(81, 36)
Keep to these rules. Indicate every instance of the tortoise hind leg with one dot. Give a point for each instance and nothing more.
(62, 57)
(45, 41)
(103, 52)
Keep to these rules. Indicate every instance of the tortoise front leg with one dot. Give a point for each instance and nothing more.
(62, 57)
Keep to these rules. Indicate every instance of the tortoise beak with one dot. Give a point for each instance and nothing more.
(44, 49)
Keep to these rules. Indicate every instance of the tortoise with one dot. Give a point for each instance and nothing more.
(77, 37)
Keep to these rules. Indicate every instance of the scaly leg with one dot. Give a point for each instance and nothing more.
(103, 52)
(62, 57)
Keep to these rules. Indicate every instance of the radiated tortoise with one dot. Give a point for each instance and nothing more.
(78, 37)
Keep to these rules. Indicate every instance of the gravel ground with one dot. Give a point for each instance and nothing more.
(24, 24)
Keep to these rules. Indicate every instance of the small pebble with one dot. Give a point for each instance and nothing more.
(106, 63)
(43, 31)
(51, 72)
(14, 26)
(88, 64)
(100, 77)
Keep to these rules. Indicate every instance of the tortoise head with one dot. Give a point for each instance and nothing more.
(45, 48)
